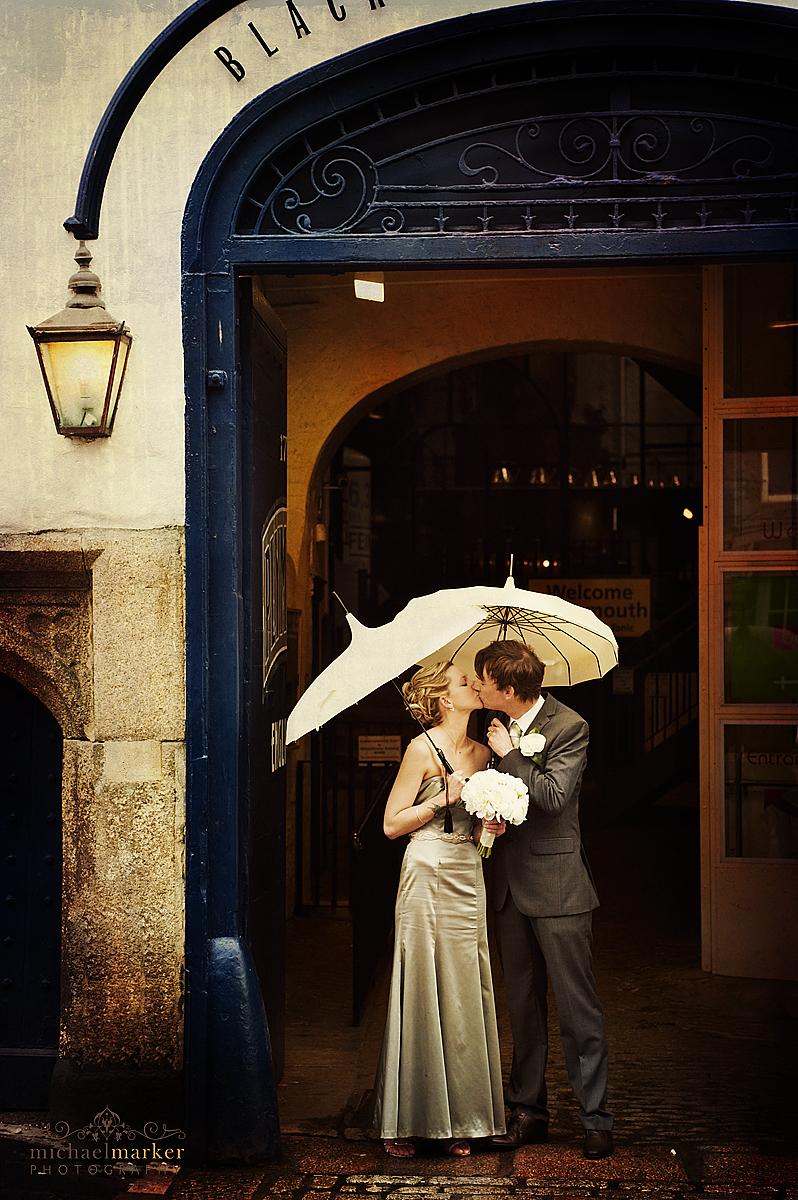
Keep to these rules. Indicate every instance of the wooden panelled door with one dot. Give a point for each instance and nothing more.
(749, 622)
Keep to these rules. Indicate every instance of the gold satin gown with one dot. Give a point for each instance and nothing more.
(439, 1074)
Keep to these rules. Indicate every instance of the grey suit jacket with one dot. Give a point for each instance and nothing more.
(541, 861)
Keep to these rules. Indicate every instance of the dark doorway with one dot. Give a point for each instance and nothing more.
(31, 747)
(642, 188)
(581, 469)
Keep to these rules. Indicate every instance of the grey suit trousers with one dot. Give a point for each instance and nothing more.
(532, 951)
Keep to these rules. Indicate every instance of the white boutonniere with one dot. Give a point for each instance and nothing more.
(531, 746)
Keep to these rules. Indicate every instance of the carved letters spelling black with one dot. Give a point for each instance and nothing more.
(301, 29)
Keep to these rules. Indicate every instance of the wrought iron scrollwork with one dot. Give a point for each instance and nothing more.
(597, 171)
(649, 147)
(343, 184)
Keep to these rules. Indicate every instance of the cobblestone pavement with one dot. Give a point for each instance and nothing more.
(322, 1169)
(703, 1070)
(555, 1171)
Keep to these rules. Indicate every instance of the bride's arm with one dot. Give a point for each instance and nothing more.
(402, 815)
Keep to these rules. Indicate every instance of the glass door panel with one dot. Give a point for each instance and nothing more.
(761, 791)
(761, 638)
(760, 483)
(749, 620)
(760, 330)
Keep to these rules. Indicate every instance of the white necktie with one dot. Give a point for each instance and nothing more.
(515, 734)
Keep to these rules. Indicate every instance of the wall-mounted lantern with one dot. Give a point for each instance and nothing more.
(83, 353)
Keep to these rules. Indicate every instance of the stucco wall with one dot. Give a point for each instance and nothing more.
(61, 64)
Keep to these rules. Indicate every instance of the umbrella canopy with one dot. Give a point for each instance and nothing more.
(453, 624)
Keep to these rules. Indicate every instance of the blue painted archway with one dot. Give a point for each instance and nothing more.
(85, 221)
(496, 82)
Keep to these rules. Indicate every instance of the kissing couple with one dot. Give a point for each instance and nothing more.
(439, 1073)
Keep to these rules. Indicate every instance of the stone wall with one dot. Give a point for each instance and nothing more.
(93, 623)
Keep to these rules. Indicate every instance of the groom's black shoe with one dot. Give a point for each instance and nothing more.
(598, 1143)
(522, 1130)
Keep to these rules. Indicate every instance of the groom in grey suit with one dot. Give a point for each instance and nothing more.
(543, 896)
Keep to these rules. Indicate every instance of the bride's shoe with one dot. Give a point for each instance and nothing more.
(457, 1147)
(399, 1147)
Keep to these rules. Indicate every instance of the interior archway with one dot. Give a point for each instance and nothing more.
(568, 463)
(575, 442)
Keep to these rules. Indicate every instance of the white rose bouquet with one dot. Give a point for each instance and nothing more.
(492, 795)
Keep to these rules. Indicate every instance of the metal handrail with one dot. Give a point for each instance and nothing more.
(666, 635)
(662, 706)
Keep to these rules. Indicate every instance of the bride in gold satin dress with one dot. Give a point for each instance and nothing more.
(439, 1074)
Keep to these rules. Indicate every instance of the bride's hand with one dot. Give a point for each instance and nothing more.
(497, 828)
(456, 784)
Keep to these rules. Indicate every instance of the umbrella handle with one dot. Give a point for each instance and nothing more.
(440, 754)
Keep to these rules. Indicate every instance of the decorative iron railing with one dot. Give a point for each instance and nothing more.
(661, 701)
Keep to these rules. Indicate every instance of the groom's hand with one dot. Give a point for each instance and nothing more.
(499, 738)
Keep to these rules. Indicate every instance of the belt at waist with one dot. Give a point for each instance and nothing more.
(432, 835)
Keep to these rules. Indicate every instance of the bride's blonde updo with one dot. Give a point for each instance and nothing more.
(424, 691)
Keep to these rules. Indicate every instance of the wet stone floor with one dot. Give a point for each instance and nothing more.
(703, 1070)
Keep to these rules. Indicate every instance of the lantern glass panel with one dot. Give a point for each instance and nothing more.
(78, 374)
(119, 365)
